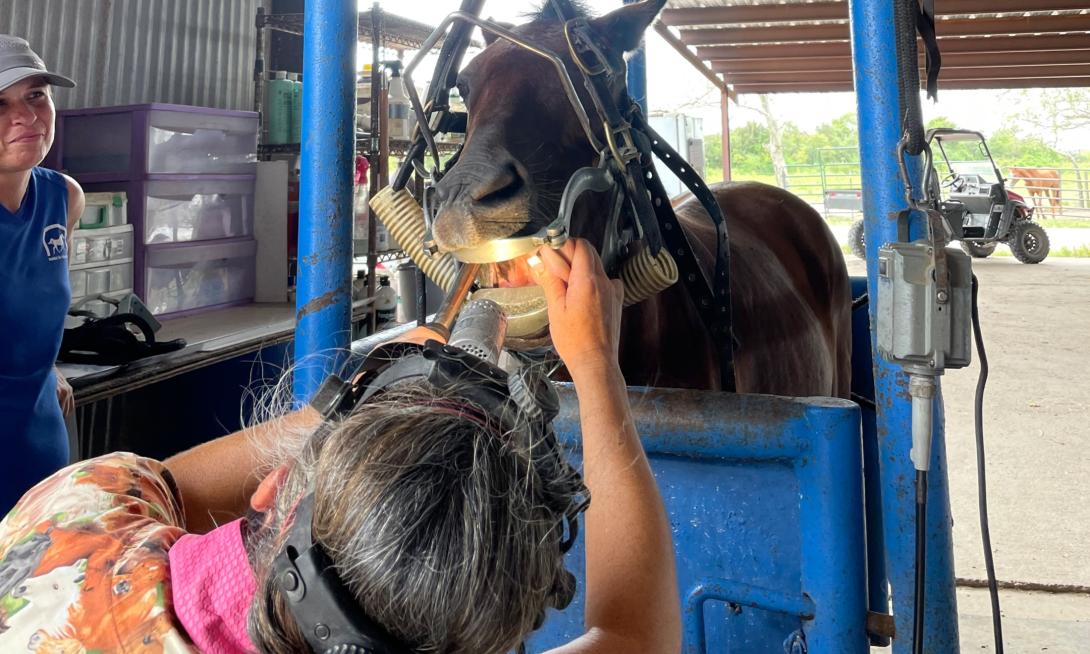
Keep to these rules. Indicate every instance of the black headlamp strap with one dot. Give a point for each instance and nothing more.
(325, 611)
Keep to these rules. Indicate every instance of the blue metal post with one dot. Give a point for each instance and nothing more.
(875, 64)
(324, 291)
(637, 73)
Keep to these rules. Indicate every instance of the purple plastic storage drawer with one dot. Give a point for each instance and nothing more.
(129, 142)
(184, 278)
(183, 208)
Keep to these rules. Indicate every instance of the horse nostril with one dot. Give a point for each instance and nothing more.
(503, 183)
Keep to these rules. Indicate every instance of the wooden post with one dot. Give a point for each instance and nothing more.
(724, 102)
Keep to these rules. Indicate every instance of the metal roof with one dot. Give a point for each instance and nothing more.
(397, 32)
(770, 46)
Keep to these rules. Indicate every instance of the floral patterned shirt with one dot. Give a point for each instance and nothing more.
(83, 561)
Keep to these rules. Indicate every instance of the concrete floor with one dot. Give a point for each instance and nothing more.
(1036, 325)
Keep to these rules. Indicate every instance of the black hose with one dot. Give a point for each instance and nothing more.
(982, 483)
(908, 73)
(921, 561)
(860, 302)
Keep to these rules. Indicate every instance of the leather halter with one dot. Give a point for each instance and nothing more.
(631, 144)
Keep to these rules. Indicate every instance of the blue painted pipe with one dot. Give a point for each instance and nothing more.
(875, 65)
(324, 287)
(738, 594)
(637, 73)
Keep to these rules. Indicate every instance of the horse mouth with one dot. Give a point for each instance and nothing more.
(506, 274)
(510, 285)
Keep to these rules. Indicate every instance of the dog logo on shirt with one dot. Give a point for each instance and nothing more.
(55, 241)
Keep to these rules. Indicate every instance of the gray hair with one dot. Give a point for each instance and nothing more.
(447, 531)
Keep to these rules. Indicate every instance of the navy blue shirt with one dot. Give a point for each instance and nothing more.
(34, 298)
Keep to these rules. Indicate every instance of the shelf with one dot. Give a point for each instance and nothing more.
(397, 146)
(390, 255)
(397, 32)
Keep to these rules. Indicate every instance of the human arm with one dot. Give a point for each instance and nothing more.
(632, 598)
(76, 203)
(217, 478)
(65, 395)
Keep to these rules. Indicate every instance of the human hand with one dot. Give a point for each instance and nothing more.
(65, 395)
(584, 305)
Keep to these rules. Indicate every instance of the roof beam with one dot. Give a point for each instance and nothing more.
(954, 74)
(839, 31)
(741, 14)
(688, 55)
(954, 85)
(949, 62)
(995, 44)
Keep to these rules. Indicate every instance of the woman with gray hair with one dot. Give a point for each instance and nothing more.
(442, 529)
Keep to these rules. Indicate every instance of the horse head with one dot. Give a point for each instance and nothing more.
(524, 139)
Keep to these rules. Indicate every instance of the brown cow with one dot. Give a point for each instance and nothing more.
(1044, 182)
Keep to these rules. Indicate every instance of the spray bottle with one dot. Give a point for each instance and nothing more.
(385, 304)
(400, 108)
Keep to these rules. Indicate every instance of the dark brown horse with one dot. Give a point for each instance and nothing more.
(791, 299)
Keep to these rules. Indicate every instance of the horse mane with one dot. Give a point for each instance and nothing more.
(546, 14)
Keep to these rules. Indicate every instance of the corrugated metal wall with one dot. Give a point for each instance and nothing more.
(195, 52)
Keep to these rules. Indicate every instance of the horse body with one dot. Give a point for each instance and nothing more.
(1040, 182)
(791, 303)
(790, 294)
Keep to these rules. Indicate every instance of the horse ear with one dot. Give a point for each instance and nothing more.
(624, 27)
(490, 37)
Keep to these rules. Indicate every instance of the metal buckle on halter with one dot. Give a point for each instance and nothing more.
(627, 150)
(575, 33)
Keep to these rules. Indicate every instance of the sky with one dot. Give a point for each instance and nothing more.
(673, 84)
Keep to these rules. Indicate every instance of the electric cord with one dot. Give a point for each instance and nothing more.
(982, 484)
(921, 561)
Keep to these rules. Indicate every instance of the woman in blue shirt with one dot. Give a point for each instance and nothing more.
(38, 210)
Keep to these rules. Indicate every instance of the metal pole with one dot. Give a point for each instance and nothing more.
(637, 72)
(724, 101)
(875, 64)
(324, 292)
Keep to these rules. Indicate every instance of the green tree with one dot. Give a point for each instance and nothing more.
(940, 121)
(713, 149)
(1011, 148)
(749, 150)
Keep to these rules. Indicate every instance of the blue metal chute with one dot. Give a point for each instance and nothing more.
(765, 496)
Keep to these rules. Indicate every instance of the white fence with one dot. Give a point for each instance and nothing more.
(1056, 193)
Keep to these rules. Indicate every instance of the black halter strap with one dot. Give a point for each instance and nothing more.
(632, 143)
(711, 296)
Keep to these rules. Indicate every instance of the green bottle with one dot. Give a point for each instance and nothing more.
(281, 92)
(296, 107)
